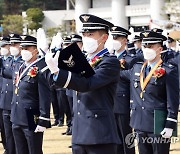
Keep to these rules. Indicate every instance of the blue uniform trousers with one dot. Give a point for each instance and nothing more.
(10, 145)
(94, 149)
(26, 141)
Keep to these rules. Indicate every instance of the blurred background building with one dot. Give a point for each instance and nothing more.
(63, 15)
(141, 14)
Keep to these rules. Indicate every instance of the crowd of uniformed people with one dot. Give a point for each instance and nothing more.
(135, 79)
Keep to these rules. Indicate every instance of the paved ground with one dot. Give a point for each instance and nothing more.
(55, 143)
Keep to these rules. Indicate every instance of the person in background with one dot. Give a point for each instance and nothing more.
(8, 73)
(6, 91)
(64, 102)
(122, 98)
(154, 85)
(30, 110)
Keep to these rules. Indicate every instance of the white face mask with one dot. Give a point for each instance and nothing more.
(14, 51)
(116, 45)
(26, 55)
(90, 45)
(149, 54)
(135, 45)
(4, 51)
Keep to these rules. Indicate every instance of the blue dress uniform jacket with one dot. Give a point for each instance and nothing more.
(166, 56)
(1, 62)
(32, 96)
(162, 93)
(122, 98)
(7, 84)
(139, 54)
(94, 121)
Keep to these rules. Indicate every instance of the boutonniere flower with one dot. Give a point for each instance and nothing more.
(159, 72)
(96, 60)
(33, 71)
(122, 63)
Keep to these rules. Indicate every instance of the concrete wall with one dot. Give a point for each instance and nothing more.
(101, 3)
(55, 18)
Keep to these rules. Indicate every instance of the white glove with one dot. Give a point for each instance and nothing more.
(56, 41)
(167, 132)
(59, 41)
(52, 62)
(52, 46)
(40, 129)
(42, 43)
(131, 37)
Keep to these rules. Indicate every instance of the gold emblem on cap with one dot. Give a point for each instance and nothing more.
(85, 18)
(11, 35)
(114, 28)
(146, 34)
(23, 37)
(155, 29)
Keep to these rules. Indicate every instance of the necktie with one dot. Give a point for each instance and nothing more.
(148, 69)
(22, 68)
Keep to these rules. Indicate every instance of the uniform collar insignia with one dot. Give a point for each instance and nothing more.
(11, 35)
(85, 18)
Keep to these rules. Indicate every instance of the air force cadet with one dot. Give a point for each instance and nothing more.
(155, 95)
(30, 112)
(6, 95)
(122, 98)
(94, 126)
(6, 92)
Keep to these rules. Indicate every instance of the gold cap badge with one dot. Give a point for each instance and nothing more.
(85, 18)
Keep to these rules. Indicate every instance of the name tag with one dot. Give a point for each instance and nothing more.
(137, 74)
